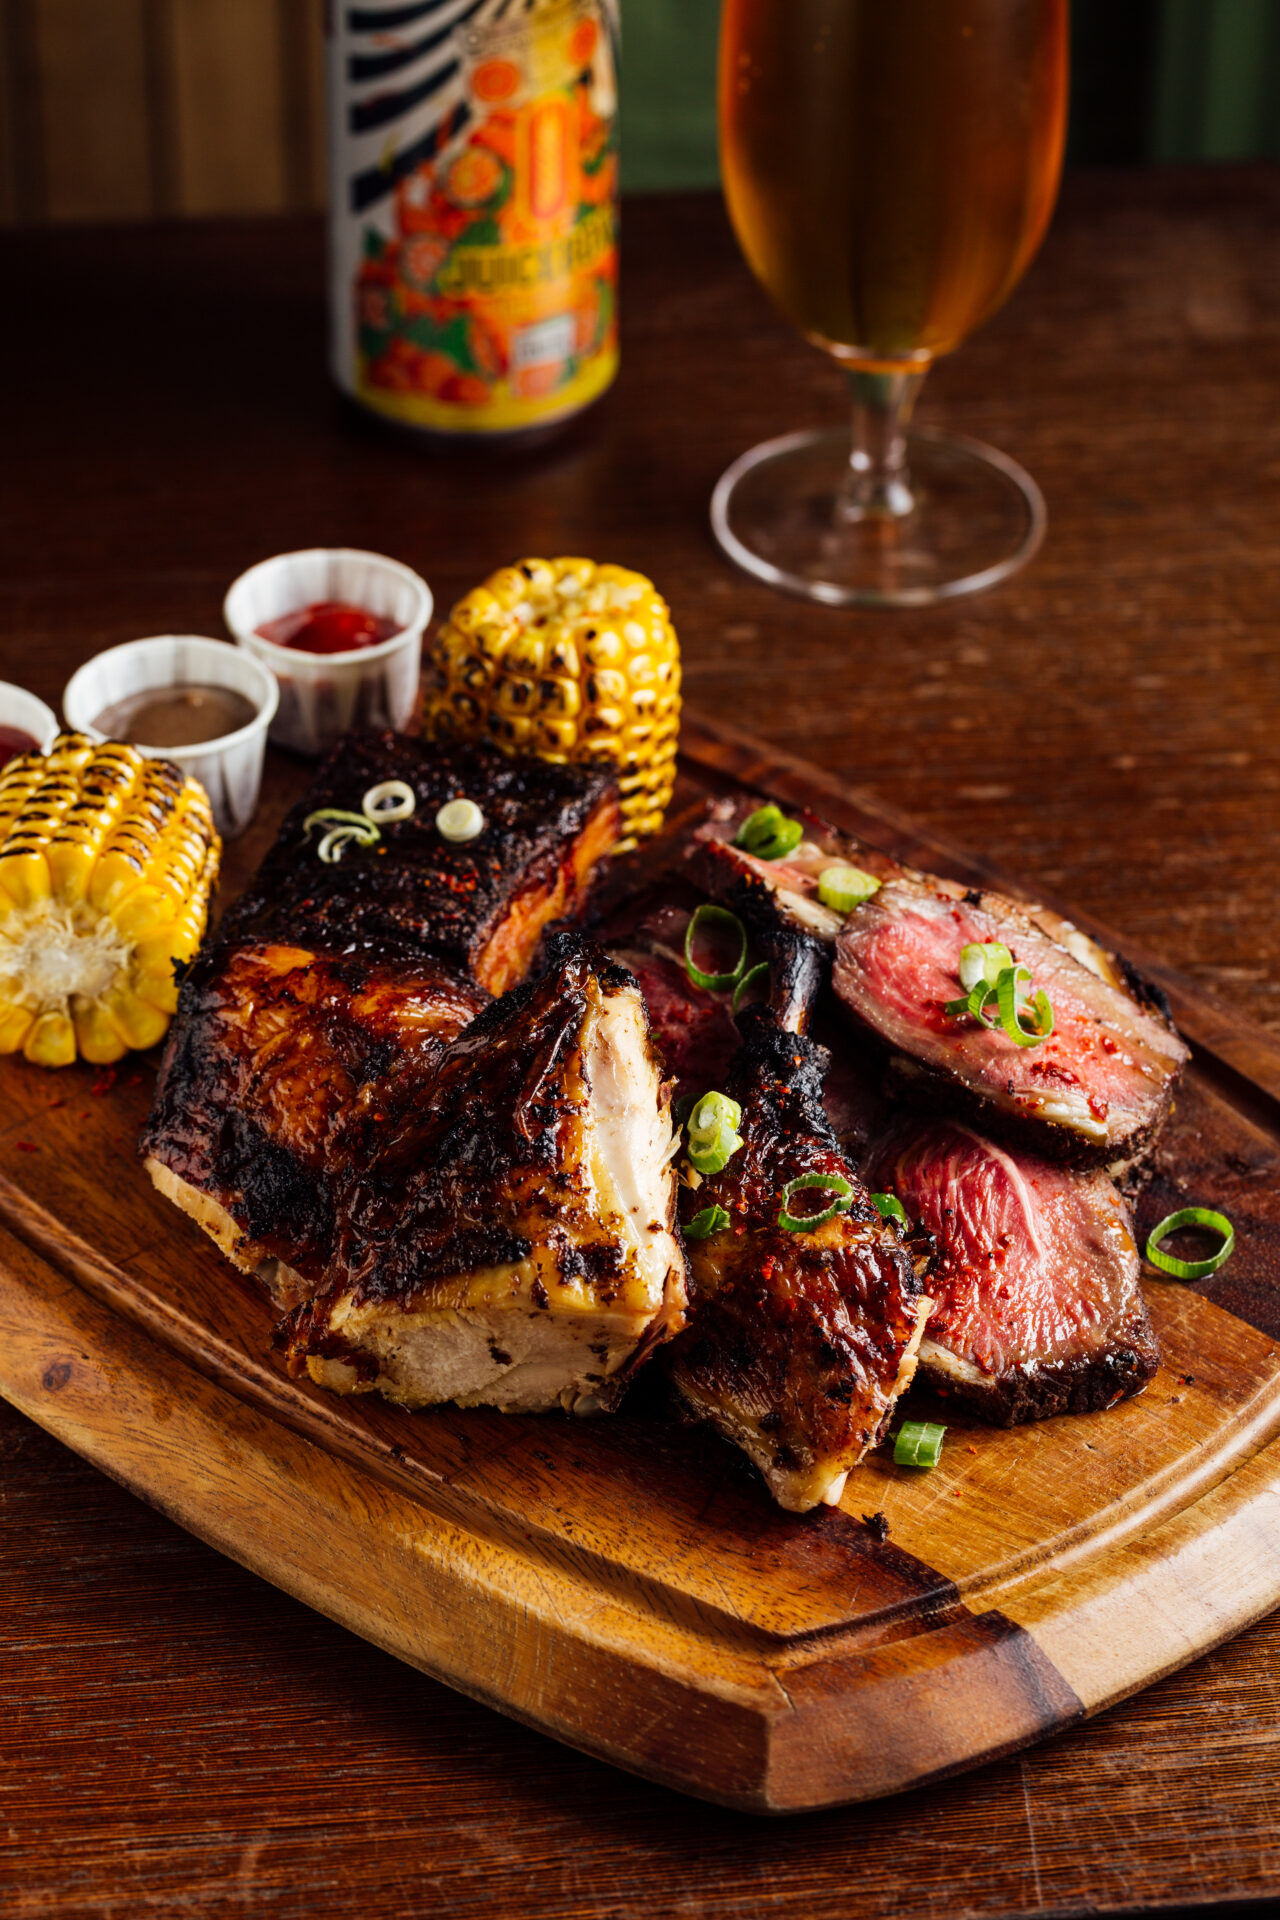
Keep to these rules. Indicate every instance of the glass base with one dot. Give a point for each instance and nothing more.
(781, 512)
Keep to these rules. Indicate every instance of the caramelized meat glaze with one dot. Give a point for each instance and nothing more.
(799, 1343)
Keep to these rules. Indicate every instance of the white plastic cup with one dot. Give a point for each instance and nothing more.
(24, 712)
(229, 768)
(324, 695)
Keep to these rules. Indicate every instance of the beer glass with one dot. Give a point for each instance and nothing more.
(890, 167)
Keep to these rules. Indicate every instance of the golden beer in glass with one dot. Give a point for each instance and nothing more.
(890, 167)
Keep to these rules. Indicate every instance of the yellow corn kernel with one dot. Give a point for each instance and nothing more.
(107, 863)
(51, 1041)
(15, 1025)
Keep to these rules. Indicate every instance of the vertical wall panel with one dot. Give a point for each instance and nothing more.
(229, 106)
(302, 74)
(21, 116)
(97, 163)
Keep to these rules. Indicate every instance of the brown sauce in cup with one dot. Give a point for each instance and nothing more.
(176, 716)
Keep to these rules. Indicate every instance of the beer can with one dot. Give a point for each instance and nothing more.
(474, 210)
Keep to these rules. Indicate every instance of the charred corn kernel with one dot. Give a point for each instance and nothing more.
(568, 660)
(107, 863)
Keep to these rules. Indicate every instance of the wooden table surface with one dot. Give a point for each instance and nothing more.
(177, 1737)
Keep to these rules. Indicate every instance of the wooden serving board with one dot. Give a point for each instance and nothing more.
(626, 1583)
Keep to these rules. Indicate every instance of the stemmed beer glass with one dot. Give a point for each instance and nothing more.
(890, 167)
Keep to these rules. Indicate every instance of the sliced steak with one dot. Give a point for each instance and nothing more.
(1037, 1304)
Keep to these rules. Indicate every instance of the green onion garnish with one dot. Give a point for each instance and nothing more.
(983, 960)
(1011, 998)
(342, 828)
(759, 828)
(888, 1207)
(713, 1132)
(748, 979)
(708, 916)
(390, 800)
(806, 1222)
(703, 1225)
(1002, 1002)
(1191, 1217)
(784, 841)
(844, 888)
(768, 834)
(919, 1444)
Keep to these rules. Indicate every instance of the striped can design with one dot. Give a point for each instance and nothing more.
(474, 209)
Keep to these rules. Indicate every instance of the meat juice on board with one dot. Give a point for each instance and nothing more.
(473, 210)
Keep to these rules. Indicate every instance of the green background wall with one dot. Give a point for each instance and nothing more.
(1153, 80)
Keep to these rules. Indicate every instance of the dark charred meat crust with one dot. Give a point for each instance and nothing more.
(1038, 1307)
(480, 905)
(489, 1171)
(800, 1340)
(280, 1066)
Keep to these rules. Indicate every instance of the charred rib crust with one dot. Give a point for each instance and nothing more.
(415, 892)
(1086, 1385)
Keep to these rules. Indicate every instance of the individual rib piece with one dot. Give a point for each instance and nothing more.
(511, 1241)
(283, 1065)
(480, 905)
(1037, 1304)
(332, 988)
(800, 1342)
(1097, 1091)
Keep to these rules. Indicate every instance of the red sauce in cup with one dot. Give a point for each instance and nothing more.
(14, 741)
(328, 626)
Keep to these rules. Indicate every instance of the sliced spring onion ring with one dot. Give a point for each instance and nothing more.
(341, 829)
(828, 1183)
(708, 916)
(360, 823)
(1011, 1008)
(711, 1220)
(844, 888)
(919, 1444)
(784, 841)
(713, 1132)
(1191, 1217)
(332, 843)
(389, 800)
(748, 979)
(459, 820)
(889, 1207)
(983, 960)
(759, 828)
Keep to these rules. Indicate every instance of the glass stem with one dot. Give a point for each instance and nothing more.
(879, 485)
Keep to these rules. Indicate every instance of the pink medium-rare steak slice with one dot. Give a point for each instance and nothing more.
(1097, 1091)
(1037, 1304)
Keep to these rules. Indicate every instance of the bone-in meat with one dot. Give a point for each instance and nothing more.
(511, 1241)
(332, 990)
(1037, 1304)
(799, 1342)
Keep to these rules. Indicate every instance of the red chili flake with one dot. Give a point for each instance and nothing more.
(972, 1449)
(1098, 1106)
(767, 1266)
(103, 1084)
(56, 1103)
(1109, 1045)
(26, 1146)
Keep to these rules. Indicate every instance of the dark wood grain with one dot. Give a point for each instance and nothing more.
(1105, 726)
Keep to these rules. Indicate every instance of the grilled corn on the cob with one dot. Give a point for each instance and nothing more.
(107, 861)
(570, 661)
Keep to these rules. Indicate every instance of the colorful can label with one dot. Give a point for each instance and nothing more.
(474, 209)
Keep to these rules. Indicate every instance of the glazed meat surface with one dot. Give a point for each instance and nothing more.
(1097, 1091)
(799, 1343)
(480, 906)
(511, 1240)
(282, 1064)
(1037, 1304)
(332, 990)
